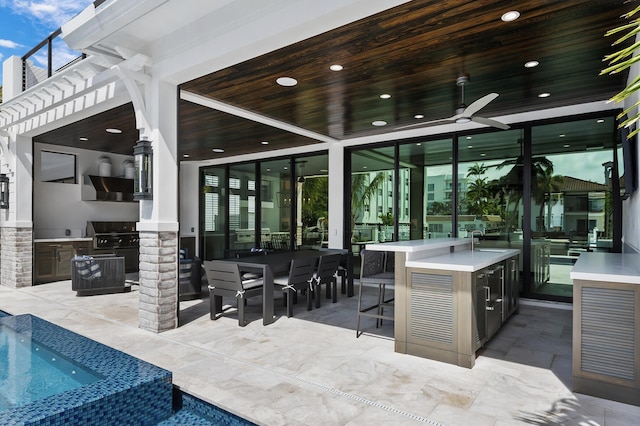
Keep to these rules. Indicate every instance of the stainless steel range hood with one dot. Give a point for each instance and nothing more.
(103, 188)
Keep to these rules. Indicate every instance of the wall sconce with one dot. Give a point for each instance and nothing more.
(4, 191)
(142, 180)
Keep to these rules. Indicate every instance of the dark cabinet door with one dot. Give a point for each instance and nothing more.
(511, 287)
(44, 266)
(481, 285)
(64, 254)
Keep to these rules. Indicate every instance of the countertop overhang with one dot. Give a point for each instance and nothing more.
(414, 246)
(607, 267)
(463, 261)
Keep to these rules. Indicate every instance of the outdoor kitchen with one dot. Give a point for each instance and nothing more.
(83, 206)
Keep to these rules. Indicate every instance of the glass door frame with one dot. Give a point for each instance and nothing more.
(526, 190)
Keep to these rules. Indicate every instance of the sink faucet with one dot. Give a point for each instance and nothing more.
(472, 234)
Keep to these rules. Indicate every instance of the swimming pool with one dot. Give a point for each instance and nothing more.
(32, 371)
(117, 388)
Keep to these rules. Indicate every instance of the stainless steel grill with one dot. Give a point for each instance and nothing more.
(113, 235)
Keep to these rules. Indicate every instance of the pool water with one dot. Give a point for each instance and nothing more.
(30, 371)
(50, 376)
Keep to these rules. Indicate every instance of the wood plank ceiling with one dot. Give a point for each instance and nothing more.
(414, 53)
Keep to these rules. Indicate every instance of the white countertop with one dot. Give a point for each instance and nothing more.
(61, 239)
(414, 246)
(608, 267)
(464, 261)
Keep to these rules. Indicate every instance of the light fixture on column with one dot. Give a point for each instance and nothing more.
(4, 191)
(142, 180)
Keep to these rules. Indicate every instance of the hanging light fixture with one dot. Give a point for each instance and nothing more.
(142, 179)
(4, 191)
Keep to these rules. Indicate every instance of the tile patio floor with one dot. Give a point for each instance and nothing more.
(311, 369)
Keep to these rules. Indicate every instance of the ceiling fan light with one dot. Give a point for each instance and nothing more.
(462, 120)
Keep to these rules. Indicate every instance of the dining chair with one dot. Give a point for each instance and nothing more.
(300, 277)
(377, 268)
(250, 253)
(343, 273)
(225, 280)
(326, 274)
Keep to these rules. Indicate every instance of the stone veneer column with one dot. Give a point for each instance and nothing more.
(158, 300)
(16, 258)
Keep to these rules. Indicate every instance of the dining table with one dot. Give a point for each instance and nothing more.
(275, 263)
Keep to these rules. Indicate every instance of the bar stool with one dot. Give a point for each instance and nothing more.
(377, 268)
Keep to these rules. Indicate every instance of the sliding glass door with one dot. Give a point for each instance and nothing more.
(571, 200)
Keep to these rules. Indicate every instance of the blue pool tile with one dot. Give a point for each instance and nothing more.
(131, 391)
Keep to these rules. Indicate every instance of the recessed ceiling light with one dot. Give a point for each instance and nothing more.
(544, 95)
(286, 81)
(469, 146)
(418, 144)
(600, 121)
(483, 155)
(562, 135)
(265, 142)
(336, 67)
(379, 123)
(218, 150)
(185, 155)
(566, 145)
(385, 96)
(512, 15)
(84, 139)
(324, 170)
(115, 131)
(364, 167)
(469, 137)
(531, 64)
(268, 170)
(418, 116)
(286, 168)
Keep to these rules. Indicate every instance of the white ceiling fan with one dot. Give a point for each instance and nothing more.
(464, 113)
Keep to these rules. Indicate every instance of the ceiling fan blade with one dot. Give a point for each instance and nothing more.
(490, 122)
(479, 104)
(426, 123)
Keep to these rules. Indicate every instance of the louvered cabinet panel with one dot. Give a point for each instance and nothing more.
(432, 308)
(608, 322)
(606, 340)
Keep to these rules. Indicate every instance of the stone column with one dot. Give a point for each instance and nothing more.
(158, 226)
(158, 299)
(16, 236)
(16, 258)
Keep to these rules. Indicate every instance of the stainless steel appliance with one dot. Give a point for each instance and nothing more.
(494, 298)
(119, 238)
(489, 284)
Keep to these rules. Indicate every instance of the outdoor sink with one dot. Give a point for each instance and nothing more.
(494, 250)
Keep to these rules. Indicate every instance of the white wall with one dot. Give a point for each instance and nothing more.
(631, 207)
(58, 206)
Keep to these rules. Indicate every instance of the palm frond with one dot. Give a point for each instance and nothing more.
(622, 60)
